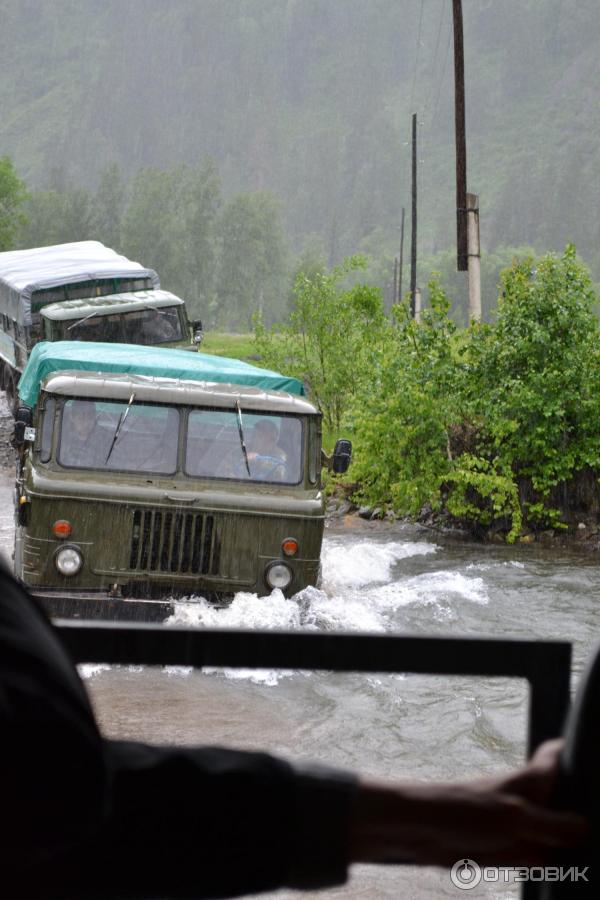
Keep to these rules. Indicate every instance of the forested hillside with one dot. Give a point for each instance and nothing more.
(304, 105)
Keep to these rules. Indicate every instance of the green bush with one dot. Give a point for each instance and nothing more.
(494, 422)
(330, 338)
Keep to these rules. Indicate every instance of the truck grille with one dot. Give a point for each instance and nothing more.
(174, 542)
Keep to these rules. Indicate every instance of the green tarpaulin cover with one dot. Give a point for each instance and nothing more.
(48, 357)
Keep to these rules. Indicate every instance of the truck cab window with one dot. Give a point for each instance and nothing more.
(273, 446)
(47, 429)
(146, 441)
(159, 325)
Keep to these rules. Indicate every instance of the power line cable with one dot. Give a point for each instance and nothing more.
(441, 84)
(435, 54)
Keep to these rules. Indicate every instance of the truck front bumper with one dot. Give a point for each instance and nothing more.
(100, 605)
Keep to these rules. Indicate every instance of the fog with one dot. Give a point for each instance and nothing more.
(310, 101)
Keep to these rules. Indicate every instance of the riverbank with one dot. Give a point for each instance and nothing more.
(583, 532)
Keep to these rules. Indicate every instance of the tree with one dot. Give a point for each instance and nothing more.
(497, 424)
(332, 335)
(253, 265)
(58, 217)
(109, 204)
(169, 225)
(12, 197)
(536, 386)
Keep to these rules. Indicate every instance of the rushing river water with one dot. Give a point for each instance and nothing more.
(377, 578)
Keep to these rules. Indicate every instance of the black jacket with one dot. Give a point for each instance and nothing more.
(88, 817)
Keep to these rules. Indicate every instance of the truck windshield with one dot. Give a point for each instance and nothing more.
(147, 440)
(273, 443)
(143, 326)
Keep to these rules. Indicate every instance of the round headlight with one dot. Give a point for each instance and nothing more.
(278, 575)
(68, 561)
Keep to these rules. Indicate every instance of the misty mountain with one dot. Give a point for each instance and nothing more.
(311, 100)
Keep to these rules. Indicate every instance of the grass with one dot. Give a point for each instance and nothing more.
(236, 346)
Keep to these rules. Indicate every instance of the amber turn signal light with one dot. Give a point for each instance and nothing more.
(290, 546)
(62, 528)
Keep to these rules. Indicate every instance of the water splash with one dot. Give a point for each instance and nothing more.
(362, 563)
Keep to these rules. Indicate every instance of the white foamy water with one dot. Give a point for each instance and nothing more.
(362, 588)
(488, 567)
(353, 564)
(90, 670)
(431, 587)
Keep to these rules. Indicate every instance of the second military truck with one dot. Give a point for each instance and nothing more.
(82, 291)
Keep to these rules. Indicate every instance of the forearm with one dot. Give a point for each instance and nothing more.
(494, 820)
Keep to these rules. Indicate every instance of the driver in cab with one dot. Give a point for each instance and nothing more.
(267, 460)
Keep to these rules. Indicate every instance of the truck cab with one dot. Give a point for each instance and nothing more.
(152, 318)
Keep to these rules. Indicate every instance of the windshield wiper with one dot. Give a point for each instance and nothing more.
(81, 321)
(120, 424)
(161, 312)
(241, 433)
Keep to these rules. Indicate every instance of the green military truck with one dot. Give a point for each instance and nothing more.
(82, 291)
(151, 474)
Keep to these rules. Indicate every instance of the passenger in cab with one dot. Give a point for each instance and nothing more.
(82, 441)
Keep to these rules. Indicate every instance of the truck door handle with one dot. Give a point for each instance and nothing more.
(181, 498)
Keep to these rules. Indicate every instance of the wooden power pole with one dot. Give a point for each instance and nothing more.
(413, 247)
(461, 143)
(468, 255)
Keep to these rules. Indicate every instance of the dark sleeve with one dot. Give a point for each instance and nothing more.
(53, 781)
(211, 822)
(93, 818)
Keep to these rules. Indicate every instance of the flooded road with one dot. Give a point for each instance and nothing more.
(377, 578)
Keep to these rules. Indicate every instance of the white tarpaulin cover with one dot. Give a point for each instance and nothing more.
(24, 271)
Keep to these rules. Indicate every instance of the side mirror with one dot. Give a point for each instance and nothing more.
(197, 331)
(23, 430)
(342, 456)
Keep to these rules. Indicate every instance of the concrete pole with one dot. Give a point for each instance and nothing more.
(474, 258)
(417, 304)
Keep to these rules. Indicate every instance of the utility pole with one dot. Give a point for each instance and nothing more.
(401, 258)
(461, 143)
(413, 248)
(474, 258)
(395, 287)
(417, 304)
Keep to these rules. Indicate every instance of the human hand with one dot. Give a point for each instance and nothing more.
(497, 821)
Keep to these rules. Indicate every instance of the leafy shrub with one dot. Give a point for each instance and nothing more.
(330, 337)
(489, 422)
